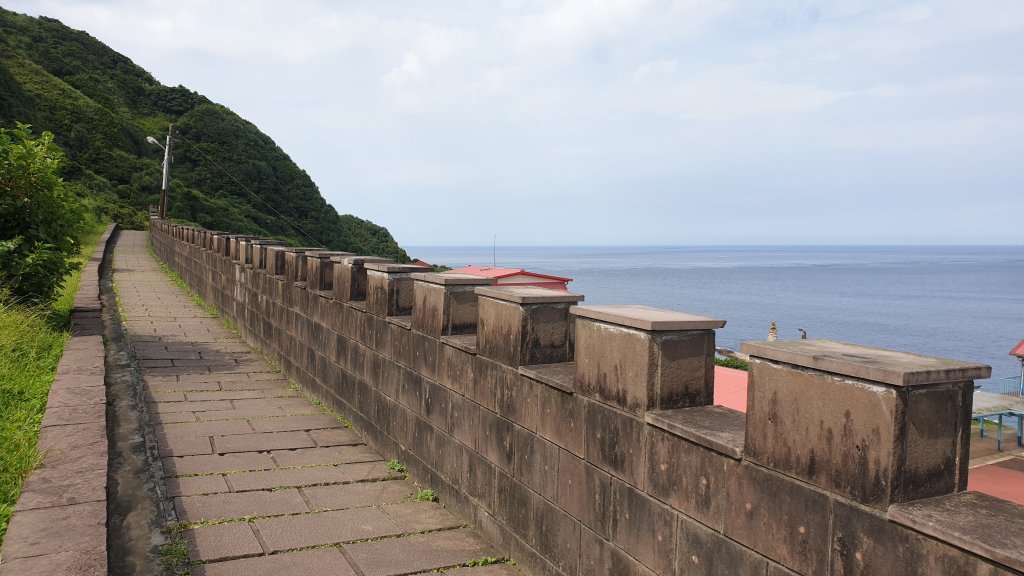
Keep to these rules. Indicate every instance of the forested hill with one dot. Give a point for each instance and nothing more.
(100, 107)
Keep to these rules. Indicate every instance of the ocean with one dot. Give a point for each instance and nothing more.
(960, 302)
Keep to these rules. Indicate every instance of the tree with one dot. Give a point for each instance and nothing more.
(39, 220)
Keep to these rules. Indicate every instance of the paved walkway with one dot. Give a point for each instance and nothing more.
(268, 482)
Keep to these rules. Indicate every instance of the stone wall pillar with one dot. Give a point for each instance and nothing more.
(640, 359)
(288, 261)
(389, 288)
(877, 426)
(446, 304)
(320, 270)
(258, 258)
(523, 325)
(350, 277)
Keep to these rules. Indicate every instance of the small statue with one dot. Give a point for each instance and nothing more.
(773, 333)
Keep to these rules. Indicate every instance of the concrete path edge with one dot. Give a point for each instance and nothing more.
(59, 522)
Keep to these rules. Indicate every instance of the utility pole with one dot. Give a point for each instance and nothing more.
(167, 173)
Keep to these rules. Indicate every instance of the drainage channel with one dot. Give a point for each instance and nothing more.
(137, 505)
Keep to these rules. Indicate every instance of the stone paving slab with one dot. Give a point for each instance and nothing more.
(304, 530)
(322, 562)
(278, 474)
(418, 553)
(223, 542)
(239, 505)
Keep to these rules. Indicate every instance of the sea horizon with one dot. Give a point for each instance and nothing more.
(953, 301)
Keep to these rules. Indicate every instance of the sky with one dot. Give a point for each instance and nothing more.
(593, 122)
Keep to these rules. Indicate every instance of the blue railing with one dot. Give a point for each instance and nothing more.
(1011, 386)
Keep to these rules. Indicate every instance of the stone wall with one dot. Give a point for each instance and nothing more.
(582, 440)
(59, 522)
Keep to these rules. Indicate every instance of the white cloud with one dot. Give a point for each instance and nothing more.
(576, 102)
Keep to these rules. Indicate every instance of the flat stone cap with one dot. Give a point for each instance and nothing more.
(294, 248)
(360, 260)
(268, 242)
(325, 254)
(971, 520)
(528, 294)
(647, 318)
(866, 362)
(391, 267)
(452, 279)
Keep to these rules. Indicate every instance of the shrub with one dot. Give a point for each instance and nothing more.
(39, 220)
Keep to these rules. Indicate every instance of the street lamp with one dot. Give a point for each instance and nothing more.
(167, 169)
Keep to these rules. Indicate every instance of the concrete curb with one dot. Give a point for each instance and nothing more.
(59, 525)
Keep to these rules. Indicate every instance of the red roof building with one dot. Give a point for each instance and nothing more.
(516, 277)
(1018, 350)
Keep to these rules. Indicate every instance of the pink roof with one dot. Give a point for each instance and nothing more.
(1018, 350)
(731, 388)
(498, 273)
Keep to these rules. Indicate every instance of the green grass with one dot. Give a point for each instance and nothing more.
(31, 343)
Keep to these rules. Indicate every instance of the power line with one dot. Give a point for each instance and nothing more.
(251, 193)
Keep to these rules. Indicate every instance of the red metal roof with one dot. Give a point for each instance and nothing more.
(498, 273)
(1018, 350)
(731, 388)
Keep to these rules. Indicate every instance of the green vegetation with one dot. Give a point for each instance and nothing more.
(425, 495)
(227, 175)
(485, 561)
(732, 363)
(174, 554)
(396, 466)
(39, 221)
(31, 343)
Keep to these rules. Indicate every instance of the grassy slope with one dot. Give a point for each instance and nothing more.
(31, 343)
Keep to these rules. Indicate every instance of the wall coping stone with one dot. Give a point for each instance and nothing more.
(867, 363)
(391, 267)
(302, 249)
(716, 427)
(560, 375)
(401, 321)
(970, 520)
(464, 342)
(448, 279)
(647, 318)
(528, 294)
(360, 260)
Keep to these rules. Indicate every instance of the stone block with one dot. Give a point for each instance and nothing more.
(389, 288)
(780, 518)
(495, 439)
(446, 304)
(615, 442)
(518, 399)
(598, 557)
(525, 325)
(478, 480)
(655, 543)
(514, 504)
(688, 477)
(560, 418)
(465, 421)
(701, 551)
(456, 368)
(584, 492)
(667, 364)
(535, 462)
(556, 536)
(426, 355)
(320, 269)
(897, 438)
(350, 277)
(864, 543)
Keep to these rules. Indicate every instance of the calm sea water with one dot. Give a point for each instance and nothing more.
(965, 303)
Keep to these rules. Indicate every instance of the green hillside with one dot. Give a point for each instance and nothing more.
(100, 107)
